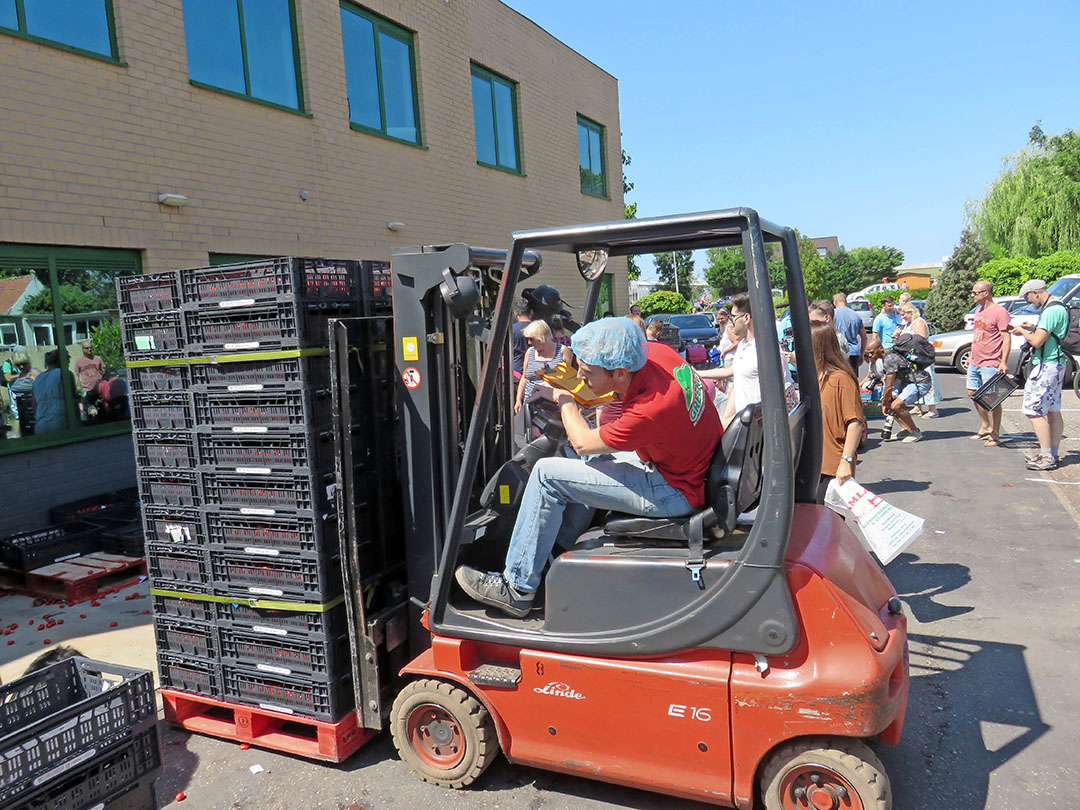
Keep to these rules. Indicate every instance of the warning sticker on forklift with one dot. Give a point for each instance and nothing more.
(410, 348)
(411, 377)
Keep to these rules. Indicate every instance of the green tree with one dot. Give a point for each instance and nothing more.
(1008, 274)
(665, 270)
(725, 270)
(814, 270)
(108, 344)
(1033, 208)
(662, 301)
(73, 299)
(851, 270)
(633, 272)
(951, 297)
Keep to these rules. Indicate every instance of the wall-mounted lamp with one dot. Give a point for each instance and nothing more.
(304, 194)
(175, 200)
(395, 226)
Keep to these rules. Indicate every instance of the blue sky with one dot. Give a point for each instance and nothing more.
(875, 122)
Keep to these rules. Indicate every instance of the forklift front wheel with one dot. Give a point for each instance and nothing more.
(825, 773)
(444, 734)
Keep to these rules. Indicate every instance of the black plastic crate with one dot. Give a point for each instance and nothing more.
(154, 336)
(178, 568)
(162, 411)
(50, 717)
(148, 293)
(121, 780)
(94, 506)
(271, 536)
(310, 373)
(299, 492)
(128, 540)
(175, 527)
(159, 378)
(278, 450)
(173, 450)
(192, 610)
(171, 488)
(284, 656)
(188, 674)
(310, 697)
(252, 412)
(186, 638)
(282, 623)
(248, 576)
(271, 326)
(29, 550)
(325, 280)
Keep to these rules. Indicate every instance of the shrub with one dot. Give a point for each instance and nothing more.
(662, 301)
(875, 298)
(108, 345)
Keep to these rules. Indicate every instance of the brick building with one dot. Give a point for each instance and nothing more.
(312, 128)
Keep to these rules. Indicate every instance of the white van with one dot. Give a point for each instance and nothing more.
(874, 288)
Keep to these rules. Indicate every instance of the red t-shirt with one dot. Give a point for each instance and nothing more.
(669, 419)
(990, 333)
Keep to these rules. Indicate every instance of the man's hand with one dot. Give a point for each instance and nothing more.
(564, 397)
(1003, 367)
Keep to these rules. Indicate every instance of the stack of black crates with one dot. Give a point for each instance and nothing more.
(231, 410)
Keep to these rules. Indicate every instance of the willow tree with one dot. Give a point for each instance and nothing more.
(1033, 208)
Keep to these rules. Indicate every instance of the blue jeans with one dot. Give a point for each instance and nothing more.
(910, 392)
(563, 493)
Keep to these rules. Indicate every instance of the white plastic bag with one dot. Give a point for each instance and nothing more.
(886, 529)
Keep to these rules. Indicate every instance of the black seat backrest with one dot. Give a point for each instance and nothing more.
(797, 429)
(737, 464)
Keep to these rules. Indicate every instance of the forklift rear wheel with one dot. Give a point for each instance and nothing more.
(825, 774)
(444, 734)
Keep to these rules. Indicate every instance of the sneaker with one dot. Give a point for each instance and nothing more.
(490, 588)
(1030, 457)
(930, 415)
(1043, 463)
(913, 436)
(900, 435)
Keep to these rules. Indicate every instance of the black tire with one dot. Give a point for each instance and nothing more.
(443, 733)
(1076, 379)
(832, 764)
(960, 361)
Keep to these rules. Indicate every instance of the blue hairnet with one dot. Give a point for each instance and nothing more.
(610, 343)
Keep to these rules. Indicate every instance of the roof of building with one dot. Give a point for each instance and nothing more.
(11, 290)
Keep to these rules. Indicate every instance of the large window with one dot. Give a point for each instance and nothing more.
(244, 47)
(495, 116)
(80, 25)
(380, 75)
(591, 163)
(63, 373)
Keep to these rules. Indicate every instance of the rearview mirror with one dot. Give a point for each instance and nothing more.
(591, 263)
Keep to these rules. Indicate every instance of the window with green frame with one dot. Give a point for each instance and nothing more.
(64, 377)
(495, 116)
(591, 162)
(84, 26)
(380, 75)
(245, 47)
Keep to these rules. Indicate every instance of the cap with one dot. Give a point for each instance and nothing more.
(611, 343)
(544, 297)
(1035, 285)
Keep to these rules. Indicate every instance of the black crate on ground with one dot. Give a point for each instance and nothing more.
(310, 697)
(177, 527)
(176, 488)
(285, 656)
(128, 540)
(161, 411)
(251, 412)
(152, 292)
(278, 450)
(330, 623)
(310, 373)
(154, 336)
(287, 535)
(177, 568)
(192, 610)
(187, 638)
(187, 674)
(72, 707)
(303, 579)
(173, 450)
(324, 280)
(93, 506)
(159, 378)
(299, 492)
(270, 326)
(26, 551)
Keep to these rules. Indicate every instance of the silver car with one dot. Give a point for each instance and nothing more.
(866, 312)
(953, 350)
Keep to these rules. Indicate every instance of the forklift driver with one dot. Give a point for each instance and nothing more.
(652, 461)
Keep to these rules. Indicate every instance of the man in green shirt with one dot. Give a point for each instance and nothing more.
(1042, 392)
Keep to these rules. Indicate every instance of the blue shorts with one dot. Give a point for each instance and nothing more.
(912, 392)
(978, 376)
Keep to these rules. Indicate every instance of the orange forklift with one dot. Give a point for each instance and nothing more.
(742, 656)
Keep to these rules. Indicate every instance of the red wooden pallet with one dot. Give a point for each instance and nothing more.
(302, 736)
(83, 578)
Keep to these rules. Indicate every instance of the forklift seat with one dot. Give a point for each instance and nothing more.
(733, 486)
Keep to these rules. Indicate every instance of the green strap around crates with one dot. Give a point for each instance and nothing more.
(240, 357)
(265, 604)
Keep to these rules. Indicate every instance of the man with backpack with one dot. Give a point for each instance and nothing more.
(1052, 339)
(906, 379)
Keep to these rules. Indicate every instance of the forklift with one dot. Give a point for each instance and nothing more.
(742, 656)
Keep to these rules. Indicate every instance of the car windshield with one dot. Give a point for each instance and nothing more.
(860, 305)
(1028, 310)
(1063, 286)
(691, 321)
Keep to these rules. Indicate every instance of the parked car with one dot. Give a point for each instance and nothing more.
(1012, 304)
(953, 350)
(874, 288)
(865, 311)
(681, 331)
